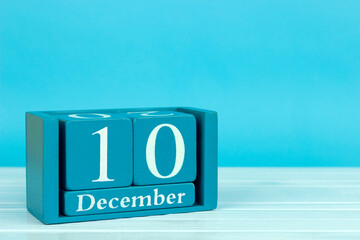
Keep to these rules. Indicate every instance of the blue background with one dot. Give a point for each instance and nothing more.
(283, 75)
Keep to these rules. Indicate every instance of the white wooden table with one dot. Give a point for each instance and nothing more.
(254, 203)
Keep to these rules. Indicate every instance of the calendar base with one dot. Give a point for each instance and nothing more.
(127, 199)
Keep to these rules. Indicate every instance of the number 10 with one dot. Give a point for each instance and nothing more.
(150, 153)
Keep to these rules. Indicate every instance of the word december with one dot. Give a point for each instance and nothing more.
(113, 203)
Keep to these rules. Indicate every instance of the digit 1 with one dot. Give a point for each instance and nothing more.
(103, 155)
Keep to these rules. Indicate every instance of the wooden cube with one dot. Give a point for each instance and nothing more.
(164, 147)
(96, 151)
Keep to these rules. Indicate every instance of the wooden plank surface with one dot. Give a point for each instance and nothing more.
(254, 203)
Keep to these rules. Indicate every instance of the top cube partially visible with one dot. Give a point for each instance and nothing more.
(95, 151)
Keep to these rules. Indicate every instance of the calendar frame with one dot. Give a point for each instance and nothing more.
(42, 165)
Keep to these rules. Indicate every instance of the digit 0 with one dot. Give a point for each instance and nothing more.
(150, 151)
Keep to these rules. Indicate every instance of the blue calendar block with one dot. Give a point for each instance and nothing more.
(164, 147)
(95, 151)
(127, 199)
(115, 163)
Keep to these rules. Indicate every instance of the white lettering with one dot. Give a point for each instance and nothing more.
(103, 155)
(151, 113)
(179, 196)
(89, 115)
(150, 151)
(111, 203)
(156, 196)
(123, 201)
(80, 206)
(170, 197)
(101, 202)
(141, 198)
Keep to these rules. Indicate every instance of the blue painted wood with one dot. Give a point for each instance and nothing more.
(207, 156)
(165, 149)
(42, 166)
(45, 161)
(80, 151)
(134, 198)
